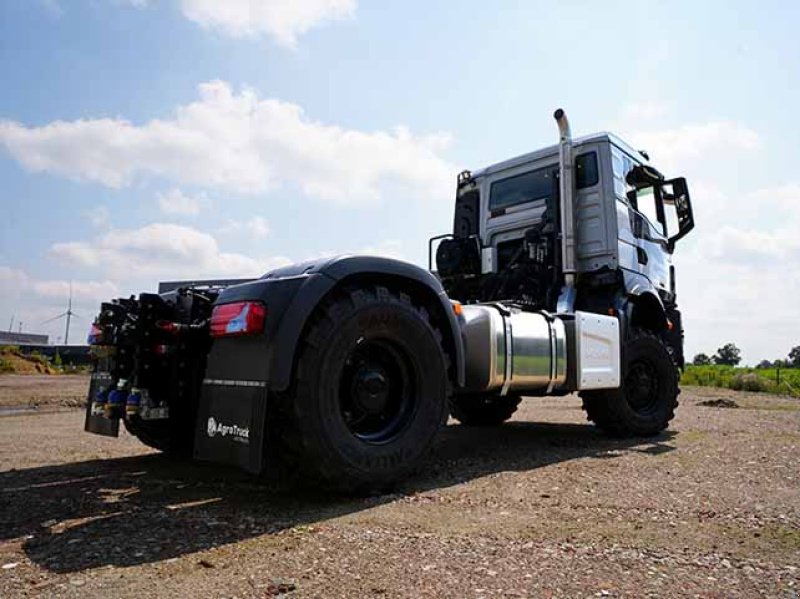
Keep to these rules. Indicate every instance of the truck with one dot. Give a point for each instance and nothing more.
(557, 278)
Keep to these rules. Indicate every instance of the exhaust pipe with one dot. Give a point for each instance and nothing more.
(566, 300)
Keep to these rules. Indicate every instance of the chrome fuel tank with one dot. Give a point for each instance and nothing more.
(511, 350)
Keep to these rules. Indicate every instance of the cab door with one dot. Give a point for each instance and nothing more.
(643, 244)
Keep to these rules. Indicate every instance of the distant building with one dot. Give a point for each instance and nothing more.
(9, 338)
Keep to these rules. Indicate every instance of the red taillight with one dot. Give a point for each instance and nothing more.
(95, 335)
(240, 318)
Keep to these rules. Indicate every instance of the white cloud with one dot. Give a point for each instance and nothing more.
(752, 305)
(175, 201)
(388, 248)
(99, 217)
(17, 283)
(283, 20)
(256, 227)
(678, 147)
(784, 197)
(751, 248)
(736, 274)
(239, 143)
(121, 262)
(756, 229)
(644, 110)
(161, 250)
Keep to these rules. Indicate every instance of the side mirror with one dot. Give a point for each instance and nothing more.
(643, 175)
(675, 192)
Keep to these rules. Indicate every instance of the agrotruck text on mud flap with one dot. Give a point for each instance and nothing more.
(557, 277)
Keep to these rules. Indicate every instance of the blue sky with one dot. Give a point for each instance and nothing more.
(150, 139)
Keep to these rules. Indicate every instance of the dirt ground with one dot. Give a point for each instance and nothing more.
(24, 391)
(544, 506)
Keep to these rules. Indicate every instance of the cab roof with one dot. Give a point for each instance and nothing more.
(548, 151)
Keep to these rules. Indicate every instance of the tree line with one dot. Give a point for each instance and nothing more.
(730, 355)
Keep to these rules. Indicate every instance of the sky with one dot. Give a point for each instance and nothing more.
(147, 140)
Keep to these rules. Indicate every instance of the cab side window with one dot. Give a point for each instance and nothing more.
(643, 201)
(541, 184)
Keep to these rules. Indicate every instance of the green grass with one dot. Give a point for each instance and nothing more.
(6, 364)
(745, 379)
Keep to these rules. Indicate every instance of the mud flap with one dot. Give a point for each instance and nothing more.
(99, 425)
(231, 423)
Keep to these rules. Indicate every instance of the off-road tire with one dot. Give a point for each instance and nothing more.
(483, 409)
(645, 403)
(311, 426)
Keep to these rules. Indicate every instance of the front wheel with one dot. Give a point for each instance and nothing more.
(370, 392)
(645, 403)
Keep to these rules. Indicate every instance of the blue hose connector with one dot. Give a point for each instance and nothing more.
(133, 403)
(115, 403)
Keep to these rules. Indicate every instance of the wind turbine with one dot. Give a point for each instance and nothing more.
(69, 314)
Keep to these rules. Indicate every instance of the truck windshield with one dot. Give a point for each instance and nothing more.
(540, 184)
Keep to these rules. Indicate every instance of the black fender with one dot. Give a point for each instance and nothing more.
(292, 293)
(644, 305)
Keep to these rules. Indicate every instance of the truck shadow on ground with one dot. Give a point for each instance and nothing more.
(145, 509)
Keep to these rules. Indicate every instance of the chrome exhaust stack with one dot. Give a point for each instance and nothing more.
(566, 299)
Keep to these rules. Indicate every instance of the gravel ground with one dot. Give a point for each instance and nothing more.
(25, 391)
(542, 507)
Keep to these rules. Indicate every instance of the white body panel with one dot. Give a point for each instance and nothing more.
(597, 351)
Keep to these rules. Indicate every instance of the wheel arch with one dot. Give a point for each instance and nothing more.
(351, 271)
(646, 311)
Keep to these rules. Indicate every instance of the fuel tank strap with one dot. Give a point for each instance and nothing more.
(509, 356)
(553, 351)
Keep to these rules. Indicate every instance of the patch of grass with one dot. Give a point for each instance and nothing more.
(748, 382)
(14, 361)
(781, 536)
(764, 380)
(38, 358)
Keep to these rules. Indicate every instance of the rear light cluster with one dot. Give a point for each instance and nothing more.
(239, 318)
(96, 336)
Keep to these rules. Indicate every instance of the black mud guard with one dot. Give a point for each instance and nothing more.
(231, 423)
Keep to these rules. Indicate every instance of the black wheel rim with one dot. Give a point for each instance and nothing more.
(642, 387)
(376, 391)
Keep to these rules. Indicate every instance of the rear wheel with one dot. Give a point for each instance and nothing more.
(484, 409)
(370, 392)
(646, 401)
